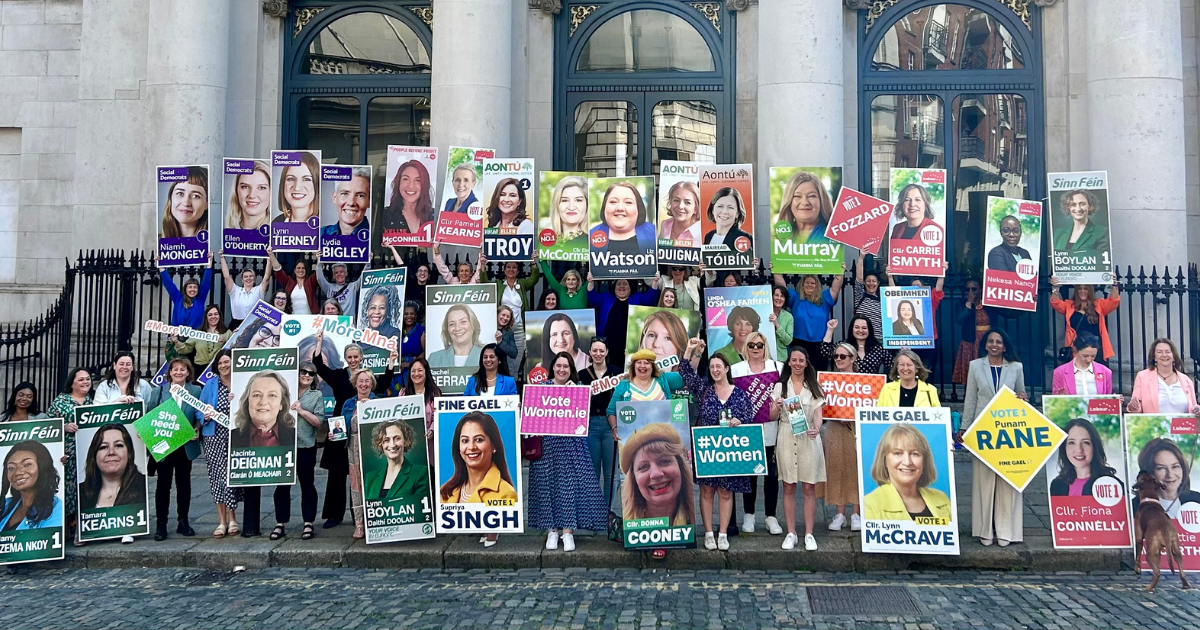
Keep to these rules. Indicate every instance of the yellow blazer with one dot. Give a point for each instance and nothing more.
(492, 487)
(927, 396)
(884, 503)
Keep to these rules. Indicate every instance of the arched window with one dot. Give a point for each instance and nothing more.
(356, 80)
(668, 64)
(953, 85)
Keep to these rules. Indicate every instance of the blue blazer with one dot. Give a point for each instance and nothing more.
(208, 395)
(466, 202)
(505, 385)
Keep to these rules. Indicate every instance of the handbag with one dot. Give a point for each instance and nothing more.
(1065, 355)
(531, 447)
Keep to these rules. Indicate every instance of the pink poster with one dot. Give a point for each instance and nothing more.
(555, 410)
(759, 387)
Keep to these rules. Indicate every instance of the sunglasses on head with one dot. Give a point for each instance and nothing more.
(756, 345)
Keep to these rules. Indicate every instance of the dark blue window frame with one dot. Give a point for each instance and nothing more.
(643, 89)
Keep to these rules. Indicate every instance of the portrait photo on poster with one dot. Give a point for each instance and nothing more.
(395, 469)
(246, 224)
(478, 465)
(182, 195)
(460, 321)
(551, 332)
(32, 491)
(563, 215)
(296, 182)
(663, 331)
(801, 215)
(460, 221)
(408, 213)
(345, 214)
(111, 476)
(1081, 233)
(510, 209)
(917, 241)
(727, 190)
(622, 228)
(262, 440)
(1161, 445)
(658, 498)
(679, 210)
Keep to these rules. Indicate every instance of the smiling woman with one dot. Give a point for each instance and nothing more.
(186, 211)
(298, 190)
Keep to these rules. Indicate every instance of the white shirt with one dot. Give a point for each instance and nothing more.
(241, 301)
(1085, 381)
(300, 300)
(512, 299)
(742, 368)
(461, 361)
(1171, 398)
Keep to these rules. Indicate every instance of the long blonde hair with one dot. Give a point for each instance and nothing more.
(236, 218)
(785, 204)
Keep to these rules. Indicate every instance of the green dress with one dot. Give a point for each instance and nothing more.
(63, 406)
(565, 302)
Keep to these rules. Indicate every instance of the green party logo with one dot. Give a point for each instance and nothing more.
(291, 328)
(783, 228)
(627, 415)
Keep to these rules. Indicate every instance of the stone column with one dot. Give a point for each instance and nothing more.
(187, 74)
(800, 92)
(1136, 126)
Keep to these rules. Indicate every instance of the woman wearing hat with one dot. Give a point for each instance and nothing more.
(645, 382)
(651, 457)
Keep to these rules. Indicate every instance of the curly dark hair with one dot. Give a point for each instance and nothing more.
(47, 481)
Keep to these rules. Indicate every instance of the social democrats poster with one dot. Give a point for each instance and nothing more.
(111, 476)
(548, 333)
(510, 209)
(459, 320)
(246, 224)
(460, 221)
(478, 465)
(658, 496)
(33, 474)
(409, 197)
(859, 220)
(262, 440)
(801, 219)
(663, 331)
(296, 189)
(622, 222)
(1080, 232)
(563, 215)
(907, 317)
(1089, 503)
(345, 214)
(1013, 438)
(732, 314)
(907, 494)
(727, 190)
(1013, 242)
(679, 211)
(394, 465)
(1165, 447)
(550, 409)
(846, 392)
(917, 243)
(182, 202)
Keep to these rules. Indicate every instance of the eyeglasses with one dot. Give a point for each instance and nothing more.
(842, 355)
(676, 268)
(972, 289)
(308, 373)
(756, 346)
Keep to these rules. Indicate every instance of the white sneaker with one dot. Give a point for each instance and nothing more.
(810, 542)
(552, 539)
(710, 541)
(837, 523)
(773, 526)
(855, 522)
(748, 523)
(789, 542)
(127, 540)
(568, 542)
(723, 542)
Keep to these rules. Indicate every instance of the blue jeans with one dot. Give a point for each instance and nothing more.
(602, 448)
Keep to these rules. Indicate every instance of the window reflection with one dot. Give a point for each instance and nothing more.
(366, 43)
(906, 131)
(645, 41)
(606, 138)
(991, 161)
(330, 125)
(684, 130)
(948, 37)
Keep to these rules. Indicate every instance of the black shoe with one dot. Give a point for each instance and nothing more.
(184, 529)
(160, 534)
(329, 523)
(251, 533)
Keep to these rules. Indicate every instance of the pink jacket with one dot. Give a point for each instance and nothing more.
(1064, 379)
(1145, 388)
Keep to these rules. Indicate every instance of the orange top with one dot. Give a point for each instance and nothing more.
(1104, 306)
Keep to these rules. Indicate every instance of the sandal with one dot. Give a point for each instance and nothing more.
(359, 532)
(233, 529)
(219, 532)
(278, 532)
(309, 532)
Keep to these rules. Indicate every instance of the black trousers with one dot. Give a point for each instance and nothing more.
(336, 461)
(175, 465)
(306, 462)
(252, 510)
(814, 353)
(770, 487)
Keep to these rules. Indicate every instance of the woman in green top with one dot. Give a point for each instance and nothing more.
(570, 292)
(782, 320)
(199, 351)
(645, 381)
(75, 392)
(400, 478)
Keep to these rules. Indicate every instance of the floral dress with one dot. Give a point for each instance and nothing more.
(736, 406)
(63, 406)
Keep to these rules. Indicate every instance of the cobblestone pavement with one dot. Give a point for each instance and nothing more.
(581, 599)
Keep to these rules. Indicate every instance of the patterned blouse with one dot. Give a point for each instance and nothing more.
(877, 361)
(63, 406)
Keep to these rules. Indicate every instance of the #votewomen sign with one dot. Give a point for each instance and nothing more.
(262, 440)
(112, 474)
(729, 451)
(33, 451)
(394, 469)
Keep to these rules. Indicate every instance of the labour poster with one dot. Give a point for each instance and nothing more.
(917, 243)
(1013, 242)
(408, 214)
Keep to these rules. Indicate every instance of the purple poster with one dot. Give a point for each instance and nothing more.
(182, 203)
(759, 388)
(296, 190)
(246, 228)
(345, 214)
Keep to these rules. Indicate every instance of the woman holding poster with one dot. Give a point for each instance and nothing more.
(298, 191)
(727, 211)
(904, 469)
(800, 457)
(1086, 313)
(682, 224)
(214, 440)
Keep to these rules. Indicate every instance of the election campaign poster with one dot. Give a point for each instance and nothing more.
(397, 498)
(1166, 446)
(846, 392)
(1089, 503)
(801, 219)
(246, 226)
(907, 317)
(460, 320)
(555, 410)
(622, 221)
(727, 190)
(510, 209)
(679, 211)
(259, 330)
(409, 197)
(167, 427)
(345, 214)
(262, 440)
(1013, 438)
(478, 465)
(1080, 232)
(729, 451)
(182, 202)
(563, 215)
(665, 331)
(296, 189)
(733, 314)
(549, 332)
(759, 388)
(111, 472)
(33, 450)
(381, 311)
(859, 220)
(460, 221)
(658, 498)
(907, 494)
(327, 336)
(1013, 242)
(917, 244)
